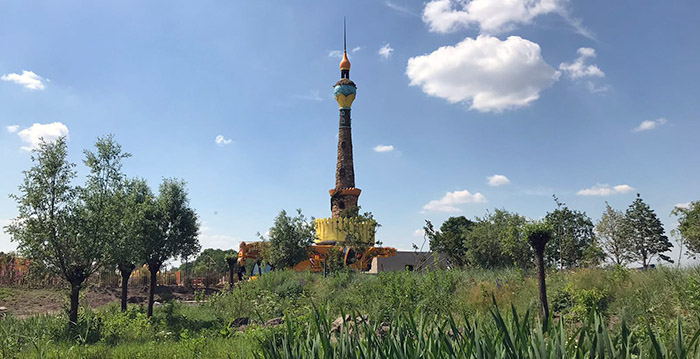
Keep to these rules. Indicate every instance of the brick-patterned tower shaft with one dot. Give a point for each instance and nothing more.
(344, 196)
(344, 170)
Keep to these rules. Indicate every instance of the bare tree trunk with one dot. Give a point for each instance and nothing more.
(542, 287)
(538, 240)
(125, 272)
(74, 296)
(153, 269)
(230, 277)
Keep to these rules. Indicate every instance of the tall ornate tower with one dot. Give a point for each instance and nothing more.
(344, 196)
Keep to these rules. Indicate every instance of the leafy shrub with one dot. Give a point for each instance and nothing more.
(692, 293)
(132, 325)
(289, 289)
(579, 303)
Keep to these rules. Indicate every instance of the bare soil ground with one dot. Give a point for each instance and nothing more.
(22, 302)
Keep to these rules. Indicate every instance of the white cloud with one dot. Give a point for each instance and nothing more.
(498, 180)
(222, 141)
(592, 88)
(209, 239)
(605, 190)
(383, 148)
(419, 232)
(685, 205)
(491, 16)
(578, 69)
(335, 53)
(385, 51)
(313, 95)
(489, 74)
(399, 8)
(28, 79)
(650, 125)
(356, 49)
(12, 128)
(448, 202)
(49, 132)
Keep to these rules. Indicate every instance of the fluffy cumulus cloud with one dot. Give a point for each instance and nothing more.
(383, 148)
(49, 132)
(385, 51)
(649, 125)
(222, 141)
(489, 74)
(605, 190)
(578, 69)
(497, 180)
(449, 202)
(28, 79)
(491, 16)
(419, 232)
(12, 128)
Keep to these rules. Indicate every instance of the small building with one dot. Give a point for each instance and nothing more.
(409, 261)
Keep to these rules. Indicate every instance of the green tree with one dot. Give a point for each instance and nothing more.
(497, 240)
(572, 238)
(232, 262)
(355, 238)
(132, 207)
(450, 239)
(538, 234)
(103, 198)
(63, 226)
(211, 263)
(614, 233)
(647, 236)
(171, 227)
(186, 268)
(689, 227)
(290, 238)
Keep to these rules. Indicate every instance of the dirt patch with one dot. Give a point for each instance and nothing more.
(22, 302)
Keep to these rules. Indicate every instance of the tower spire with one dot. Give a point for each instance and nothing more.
(344, 195)
(345, 62)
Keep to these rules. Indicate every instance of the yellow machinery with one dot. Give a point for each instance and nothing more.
(319, 256)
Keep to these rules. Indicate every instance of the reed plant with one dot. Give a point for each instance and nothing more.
(420, 335)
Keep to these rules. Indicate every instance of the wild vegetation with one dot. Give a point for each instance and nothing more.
(629, 306)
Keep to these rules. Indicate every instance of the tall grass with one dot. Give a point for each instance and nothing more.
(628, 303)
(424, 336)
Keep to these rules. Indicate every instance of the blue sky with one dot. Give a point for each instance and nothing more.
(593, 101)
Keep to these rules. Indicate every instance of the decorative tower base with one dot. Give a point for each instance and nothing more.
(338, 230)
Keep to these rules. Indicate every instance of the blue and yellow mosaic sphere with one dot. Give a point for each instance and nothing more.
(344, 94)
